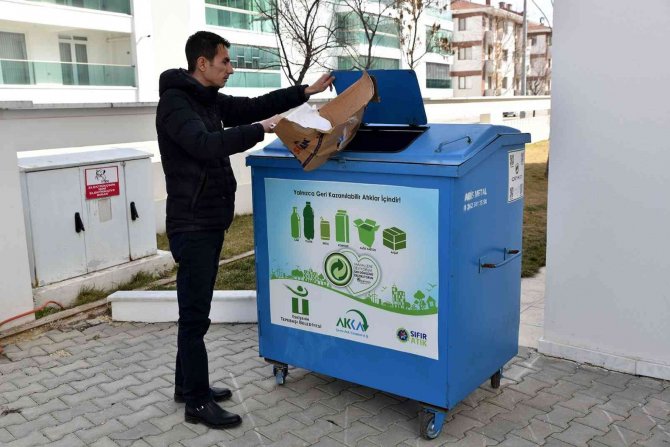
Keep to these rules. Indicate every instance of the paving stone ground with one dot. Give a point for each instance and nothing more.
(111, 384)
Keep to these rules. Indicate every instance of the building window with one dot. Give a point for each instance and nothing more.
(505, 55)
(245, 15)
(504, 83)
(14, 69)
(351, 31)
(464, 82)
(437, 75)
(533, 41)
(439, 41)
(461, 24)
(465, 53)
(262, 63)
(548, 39)
(377, 63)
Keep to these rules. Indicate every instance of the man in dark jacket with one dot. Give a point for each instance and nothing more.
(195, 147)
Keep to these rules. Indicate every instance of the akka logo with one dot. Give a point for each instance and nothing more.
(412, 337)
(357, 324)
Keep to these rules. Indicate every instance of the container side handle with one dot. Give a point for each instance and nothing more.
(512, 253)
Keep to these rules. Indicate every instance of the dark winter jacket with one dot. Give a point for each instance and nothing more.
(194, 146)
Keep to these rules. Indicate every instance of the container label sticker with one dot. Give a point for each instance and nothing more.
(102, 182)
(475, 198)
(355, 261)
(516, 164)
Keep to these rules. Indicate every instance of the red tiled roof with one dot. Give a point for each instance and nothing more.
(463, 4)
(538, 28)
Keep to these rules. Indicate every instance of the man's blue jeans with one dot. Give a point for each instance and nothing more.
(198, 254)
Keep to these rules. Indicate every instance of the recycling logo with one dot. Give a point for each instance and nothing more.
(338, 269)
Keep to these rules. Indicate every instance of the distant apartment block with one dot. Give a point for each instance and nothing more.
(488, 44)
(538, 80)
(102, 51)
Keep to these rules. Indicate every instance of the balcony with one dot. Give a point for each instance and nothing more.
(24, 72)
(488, 38)
(489, 66)
(438, 83)
(120, 6)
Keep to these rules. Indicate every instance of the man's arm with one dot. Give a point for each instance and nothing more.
(240, 110)
(247, 110)
(186, 128)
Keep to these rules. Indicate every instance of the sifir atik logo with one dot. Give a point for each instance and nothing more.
(353, 323)
(412, 337)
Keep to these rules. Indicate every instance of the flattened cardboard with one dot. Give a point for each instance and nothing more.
(345, 113)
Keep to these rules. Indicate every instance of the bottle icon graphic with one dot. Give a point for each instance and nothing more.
(325, 230)
(295, 223)
(308, 221)
(342, 227)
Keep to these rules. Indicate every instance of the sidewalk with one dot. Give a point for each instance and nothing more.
(110, 384)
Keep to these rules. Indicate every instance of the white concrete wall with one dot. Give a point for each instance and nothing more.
(15, 293)
(607, 295)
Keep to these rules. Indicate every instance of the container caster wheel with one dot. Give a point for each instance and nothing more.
(430, 424)
(495, 379)
(280, 373)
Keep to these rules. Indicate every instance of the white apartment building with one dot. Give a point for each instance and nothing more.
(488, 42)
(539, 76)
(113, 51)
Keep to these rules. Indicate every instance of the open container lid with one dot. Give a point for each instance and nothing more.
(399, 96)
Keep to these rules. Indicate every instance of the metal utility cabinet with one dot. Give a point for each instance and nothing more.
(414, 289)
(86, 211)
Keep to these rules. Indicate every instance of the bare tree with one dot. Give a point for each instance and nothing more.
(411, 33)
(305, 31)
(539, 79)
(365, 18)
(499, 55)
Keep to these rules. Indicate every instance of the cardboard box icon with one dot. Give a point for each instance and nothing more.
(345, 113)
(394, 238)
(366, 231)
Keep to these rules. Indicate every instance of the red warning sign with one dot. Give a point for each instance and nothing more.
(102, 182)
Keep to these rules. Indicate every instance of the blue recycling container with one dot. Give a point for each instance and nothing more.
(414, 288)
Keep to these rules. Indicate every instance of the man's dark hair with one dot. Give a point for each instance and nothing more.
(203, 43)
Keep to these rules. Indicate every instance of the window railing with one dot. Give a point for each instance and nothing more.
(250, 20)
(23, 72)
(377, 63)
(121, 6)
(254, 79)
(438, 83)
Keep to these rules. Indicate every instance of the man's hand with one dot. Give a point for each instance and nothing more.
(270, 123)
(325, 81)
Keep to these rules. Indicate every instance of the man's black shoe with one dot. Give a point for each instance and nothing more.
(218, 394)
(211, 415)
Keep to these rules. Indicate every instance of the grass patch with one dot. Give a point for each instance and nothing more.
(238, 275)
(90, 294)
(535, 210)
(239, 237)
(46, 311)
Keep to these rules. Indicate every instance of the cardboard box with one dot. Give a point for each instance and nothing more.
(345, 112)
(394, 238)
